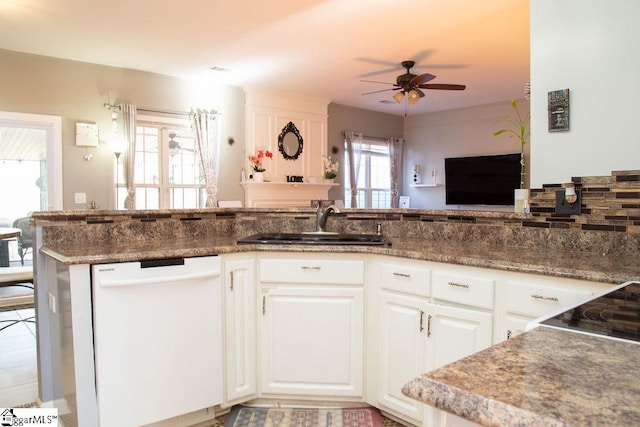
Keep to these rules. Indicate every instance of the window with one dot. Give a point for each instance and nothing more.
(167, 169)
(373, 175)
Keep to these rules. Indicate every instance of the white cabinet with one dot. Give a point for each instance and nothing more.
(240, 327)
(454, 333)
(397, 293)
(402, 350)
(426, 319)
(312, 327)
(525, 297)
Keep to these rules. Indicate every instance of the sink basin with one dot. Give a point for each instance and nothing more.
(316, 239)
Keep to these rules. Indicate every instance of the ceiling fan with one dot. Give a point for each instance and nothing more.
(174, 146)
(411, 85)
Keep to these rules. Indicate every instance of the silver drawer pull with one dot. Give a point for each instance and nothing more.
(545, 298)
(306, 267)
(459, 285)
(408, 276)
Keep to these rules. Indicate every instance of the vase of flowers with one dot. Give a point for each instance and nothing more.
(256, 164)
(330, 168)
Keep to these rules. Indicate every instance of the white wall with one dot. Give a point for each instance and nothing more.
(591, 47)
(429, 138)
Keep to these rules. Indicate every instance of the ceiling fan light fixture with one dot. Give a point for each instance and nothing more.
(414, 96)
(398, 97)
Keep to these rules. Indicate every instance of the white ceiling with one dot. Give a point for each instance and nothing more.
(321, 48)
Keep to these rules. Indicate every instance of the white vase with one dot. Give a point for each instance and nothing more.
(521, 200)
(329, 180)
(258, 176)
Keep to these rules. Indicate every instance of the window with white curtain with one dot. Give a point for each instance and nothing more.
(167, 170)
(374, 175)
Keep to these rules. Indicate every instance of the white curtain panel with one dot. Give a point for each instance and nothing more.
(129, 113)
(354, 145)
(395, 157)
(205, 130)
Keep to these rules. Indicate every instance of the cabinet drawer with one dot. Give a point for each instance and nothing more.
(405, 278)
(463, 289)
(536, 301)
(309, 270)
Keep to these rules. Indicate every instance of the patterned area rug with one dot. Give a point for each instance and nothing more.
(245, 416)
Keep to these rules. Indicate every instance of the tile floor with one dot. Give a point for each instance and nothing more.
(18, 369)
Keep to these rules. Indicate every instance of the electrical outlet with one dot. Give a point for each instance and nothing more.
(81, 198)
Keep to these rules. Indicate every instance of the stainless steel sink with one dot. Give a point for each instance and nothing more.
(316, 239)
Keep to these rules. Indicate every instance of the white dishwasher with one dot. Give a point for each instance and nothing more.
(158, 339)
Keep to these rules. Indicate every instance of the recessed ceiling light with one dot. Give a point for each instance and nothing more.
(220, 69)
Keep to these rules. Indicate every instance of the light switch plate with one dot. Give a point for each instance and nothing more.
(80, 198)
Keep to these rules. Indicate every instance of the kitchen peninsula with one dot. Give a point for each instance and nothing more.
(72, 241)
(490, 271)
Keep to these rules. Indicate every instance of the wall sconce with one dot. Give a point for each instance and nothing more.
(568, 200)
(570, 193)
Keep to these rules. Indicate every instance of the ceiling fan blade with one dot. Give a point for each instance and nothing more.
(421, 79)
(373, 81)
(378, 91)
(442, 86)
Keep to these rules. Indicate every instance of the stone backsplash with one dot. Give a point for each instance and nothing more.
(609, 203)
(609, 222)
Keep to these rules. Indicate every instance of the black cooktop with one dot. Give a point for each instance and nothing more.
(616, 314)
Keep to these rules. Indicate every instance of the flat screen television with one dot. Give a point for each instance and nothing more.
(482, 180)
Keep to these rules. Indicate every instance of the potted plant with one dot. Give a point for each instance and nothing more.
(519, 129)
(330, 168)
(256, 164)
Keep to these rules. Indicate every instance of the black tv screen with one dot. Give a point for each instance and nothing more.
(482, 180)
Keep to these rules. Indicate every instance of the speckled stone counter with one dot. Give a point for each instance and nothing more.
(568, 264)
(544, 377)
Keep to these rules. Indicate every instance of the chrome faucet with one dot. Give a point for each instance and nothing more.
(321, 216)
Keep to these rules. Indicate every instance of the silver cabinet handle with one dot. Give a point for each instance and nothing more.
(306, 267)
(408, 276)
(231, 285)
(509, 333)
(264, 305)
(459, 285)
(428, 325)
(421, 320)
(545, 298)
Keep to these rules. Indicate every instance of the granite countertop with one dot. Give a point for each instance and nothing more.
(544, 377)
(581, 266)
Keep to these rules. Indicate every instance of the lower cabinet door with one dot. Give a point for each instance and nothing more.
(312, 341)
(454, 333)
(402, 340)
(240, 329)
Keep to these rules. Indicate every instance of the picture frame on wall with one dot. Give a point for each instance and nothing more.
(558, 108)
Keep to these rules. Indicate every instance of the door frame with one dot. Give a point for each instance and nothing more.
(52, 125)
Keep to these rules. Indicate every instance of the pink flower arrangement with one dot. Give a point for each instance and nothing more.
(256, 160)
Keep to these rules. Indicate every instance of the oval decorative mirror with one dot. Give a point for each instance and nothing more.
(290, 142)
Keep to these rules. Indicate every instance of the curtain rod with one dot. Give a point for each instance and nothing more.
(152, 110)
(379, 138)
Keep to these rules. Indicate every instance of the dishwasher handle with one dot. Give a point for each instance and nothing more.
(158, 280)
(161, 262)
